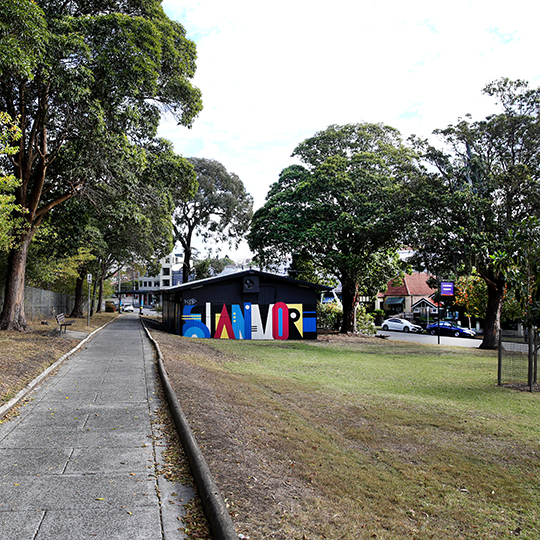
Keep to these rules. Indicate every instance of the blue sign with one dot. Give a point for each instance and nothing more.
(447, 288)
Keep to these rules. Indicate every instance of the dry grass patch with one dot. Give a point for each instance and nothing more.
(361, 439)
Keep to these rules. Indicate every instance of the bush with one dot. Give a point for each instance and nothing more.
(329, 316)
(364, 322)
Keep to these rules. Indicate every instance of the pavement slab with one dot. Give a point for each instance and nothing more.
(81, 459)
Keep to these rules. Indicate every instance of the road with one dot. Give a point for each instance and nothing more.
(430, 340)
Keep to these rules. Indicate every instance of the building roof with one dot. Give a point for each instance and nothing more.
(227, 277)
(411, 285)
(427, 302)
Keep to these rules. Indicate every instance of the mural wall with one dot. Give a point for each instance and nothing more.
(249, 321)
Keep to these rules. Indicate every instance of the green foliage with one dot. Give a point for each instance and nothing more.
(87, 82)
(23, 37)
(58, 274)
(329, 316)
(471, 295)
(220, 209)
(365, 324)
(521, 265)
(210, 267)
(487, 182)
(343, 212)
(9, 218)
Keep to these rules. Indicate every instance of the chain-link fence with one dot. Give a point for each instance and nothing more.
(42, 304)
(518, 363)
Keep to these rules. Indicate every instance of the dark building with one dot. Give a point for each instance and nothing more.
(243, 305)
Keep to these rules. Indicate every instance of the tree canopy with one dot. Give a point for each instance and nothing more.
(87, 82)
(484, 183)
(9, 134)
(220, 210)
(343, 209)
(125, 223)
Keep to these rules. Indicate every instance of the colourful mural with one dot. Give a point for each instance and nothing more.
(250, 321)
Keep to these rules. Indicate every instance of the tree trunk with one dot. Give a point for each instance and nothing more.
(186, 265)
(492, 322)
(100, 294)
(92, 303)
(13, 316)
(77, 311)
(349, 293)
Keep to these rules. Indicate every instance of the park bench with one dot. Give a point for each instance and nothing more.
(61, 320)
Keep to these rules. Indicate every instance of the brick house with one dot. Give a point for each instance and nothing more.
(402, 294)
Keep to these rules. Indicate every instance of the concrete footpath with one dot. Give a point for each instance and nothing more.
(81, 460)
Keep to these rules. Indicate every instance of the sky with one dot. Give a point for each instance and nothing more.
(275, 73)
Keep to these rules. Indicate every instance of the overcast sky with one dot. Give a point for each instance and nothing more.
(274, 73)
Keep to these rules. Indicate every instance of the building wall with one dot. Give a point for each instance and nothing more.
(227, 310)
(166, 275)
(248, 321)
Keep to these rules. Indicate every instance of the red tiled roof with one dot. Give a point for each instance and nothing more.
(413, 285)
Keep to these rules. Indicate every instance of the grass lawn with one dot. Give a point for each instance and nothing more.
(394, 440)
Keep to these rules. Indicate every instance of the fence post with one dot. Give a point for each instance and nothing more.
(535, 366)
(530, 376)
(499, 362)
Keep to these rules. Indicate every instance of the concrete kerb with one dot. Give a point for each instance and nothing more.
(4, 409)
(216, 512)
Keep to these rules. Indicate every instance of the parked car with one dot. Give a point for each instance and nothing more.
(127, 307)
(449, 328)
(401, 325)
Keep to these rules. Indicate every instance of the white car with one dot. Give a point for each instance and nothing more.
(401, 325)
(127, 307)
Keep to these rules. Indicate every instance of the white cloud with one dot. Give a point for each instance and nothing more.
(272, 74)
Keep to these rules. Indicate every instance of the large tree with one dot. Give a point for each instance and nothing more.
(80, 77)
(127, 222)
(344, 210)
(484, 182)
(220, 210)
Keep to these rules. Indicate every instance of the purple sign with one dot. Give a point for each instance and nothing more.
(447, 288)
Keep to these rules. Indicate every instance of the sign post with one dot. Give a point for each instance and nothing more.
(89, 279)
(446, 289)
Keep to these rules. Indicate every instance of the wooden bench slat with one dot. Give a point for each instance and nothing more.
(61, 320)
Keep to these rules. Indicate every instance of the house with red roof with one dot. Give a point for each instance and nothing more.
(402, 294)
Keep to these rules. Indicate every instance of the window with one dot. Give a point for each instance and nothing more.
(167, 260)
(156, 283)
(166, 283)
(166, 271)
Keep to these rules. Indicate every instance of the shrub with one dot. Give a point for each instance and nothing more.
(329, 316)
(364, 321)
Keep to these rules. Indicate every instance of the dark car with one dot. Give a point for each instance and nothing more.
(450, 329)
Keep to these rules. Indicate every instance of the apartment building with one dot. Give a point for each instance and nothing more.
(169, 275)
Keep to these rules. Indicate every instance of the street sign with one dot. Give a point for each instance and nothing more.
(89, 278)
(447, 288)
